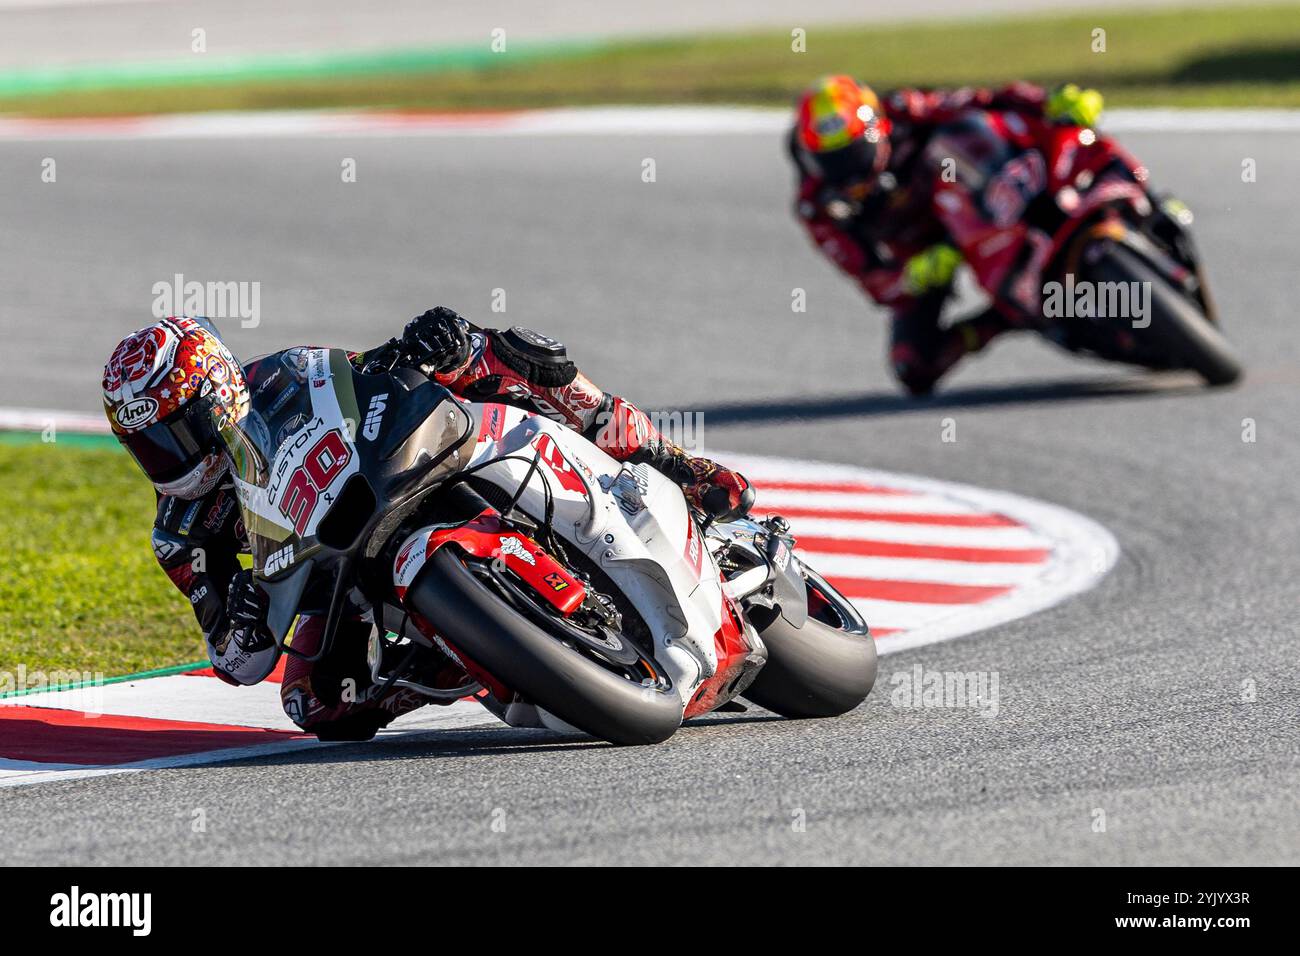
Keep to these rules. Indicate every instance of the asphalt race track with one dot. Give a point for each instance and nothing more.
(1134, 699)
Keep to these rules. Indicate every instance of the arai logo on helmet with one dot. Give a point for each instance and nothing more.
(137, 412)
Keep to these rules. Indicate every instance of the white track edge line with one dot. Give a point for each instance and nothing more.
(572, 121)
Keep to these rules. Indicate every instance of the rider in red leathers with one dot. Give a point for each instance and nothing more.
(166, 385)
(899, 191)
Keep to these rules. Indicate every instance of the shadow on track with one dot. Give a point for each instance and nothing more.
(469, 742)
(878, 404)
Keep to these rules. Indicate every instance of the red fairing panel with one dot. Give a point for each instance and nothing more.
(733, 648)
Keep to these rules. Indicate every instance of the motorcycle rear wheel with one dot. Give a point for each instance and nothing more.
(812, 671)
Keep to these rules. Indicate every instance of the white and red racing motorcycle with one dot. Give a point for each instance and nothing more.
(573, 591)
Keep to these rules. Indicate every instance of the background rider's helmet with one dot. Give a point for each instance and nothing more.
(843, 132)
(167, 389)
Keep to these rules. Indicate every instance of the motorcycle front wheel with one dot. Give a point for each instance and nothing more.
(1178, 330)
(501, 628)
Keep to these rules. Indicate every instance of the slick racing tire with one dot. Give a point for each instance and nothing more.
(812, 671)
(480, 624)
(1178, 329)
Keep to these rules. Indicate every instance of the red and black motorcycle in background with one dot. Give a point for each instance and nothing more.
(1061, 229)
(1103, 227)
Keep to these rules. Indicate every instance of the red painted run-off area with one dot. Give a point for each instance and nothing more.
(50, 736)
(917, 592)
(45, 735)
(934, 552)
(902, 517)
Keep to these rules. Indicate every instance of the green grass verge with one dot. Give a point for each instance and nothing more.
(1239, 56)
(79, 587)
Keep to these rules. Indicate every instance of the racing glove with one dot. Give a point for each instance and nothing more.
(1068, 103)
(932, 269)
(437, 341)
(244, 652)
(246, 603)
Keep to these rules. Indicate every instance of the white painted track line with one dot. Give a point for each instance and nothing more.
(589, 121)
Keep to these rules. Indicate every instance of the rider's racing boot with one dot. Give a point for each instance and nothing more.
(920, 368)
(627, 434)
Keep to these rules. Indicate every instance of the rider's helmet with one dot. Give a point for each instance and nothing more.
(168, 388)
(843, 132)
